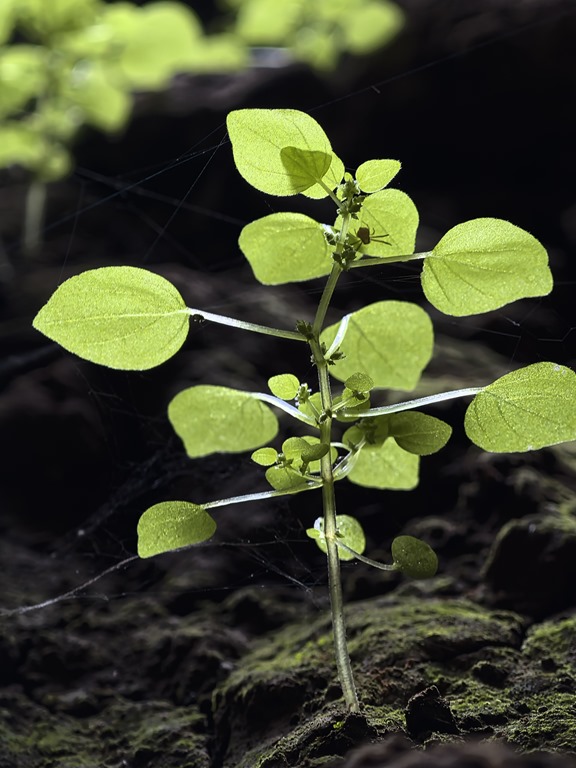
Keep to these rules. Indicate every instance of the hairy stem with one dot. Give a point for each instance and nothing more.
(325, 300)
(328, 497)
(334, 579)
(201, 315)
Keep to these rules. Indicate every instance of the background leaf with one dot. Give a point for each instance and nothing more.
(286, 248)
(524, 410)
(153, 43)
(171, 525)
(121, 317)
(7, 17)
(372, 24)
(47, 20)
(484, 264)
(23, 75)
(390, 341)
(105, 105)
(258, 137)
(212, 419)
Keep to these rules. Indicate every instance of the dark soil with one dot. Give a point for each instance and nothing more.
(221, 656)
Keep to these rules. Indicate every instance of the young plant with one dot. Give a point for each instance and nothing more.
(130, 318)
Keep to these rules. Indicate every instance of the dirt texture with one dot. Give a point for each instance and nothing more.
(221, 656)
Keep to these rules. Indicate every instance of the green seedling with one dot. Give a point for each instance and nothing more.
(130, 318)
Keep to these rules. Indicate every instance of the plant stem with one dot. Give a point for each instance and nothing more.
(409, 405)
(201, 314)
(329, 503)
(34, 217)
(368, 560)
(331, 282)
(325, 300)
(328, 497)
(376, 261)
(284, 406)
(257, 496)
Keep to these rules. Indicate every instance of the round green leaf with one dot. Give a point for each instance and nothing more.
(304, 166)
(314, 452)
(212, 419)
(418, 433)
(265, 456)
(286, 248)
(348, 531)
(484, 264)
(284, 385)
(524, 410)
(285, 479)
(359, 382)
(121, 317)
(414, 557)
(332, 179)
(391, 219)
(171, 525)
(374, 175)
(258, 137)
(292, 448)
(306, 450)
(389, 341)
(385, 466)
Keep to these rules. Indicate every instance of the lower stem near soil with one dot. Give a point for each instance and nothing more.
(343, 664)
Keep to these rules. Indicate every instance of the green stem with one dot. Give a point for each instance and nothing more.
(34, 217)
(368, 560)
(325, 300)
(332, 280)
(409, 405)
(257, 496)
(201, 314)
(284, 406)
(377, 261)
(329, 503)
(343, 664)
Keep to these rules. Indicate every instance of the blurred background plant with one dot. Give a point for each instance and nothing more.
(66, 64)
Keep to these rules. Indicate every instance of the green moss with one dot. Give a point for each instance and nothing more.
(549, 724)
(176, 736)
(554, 640)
